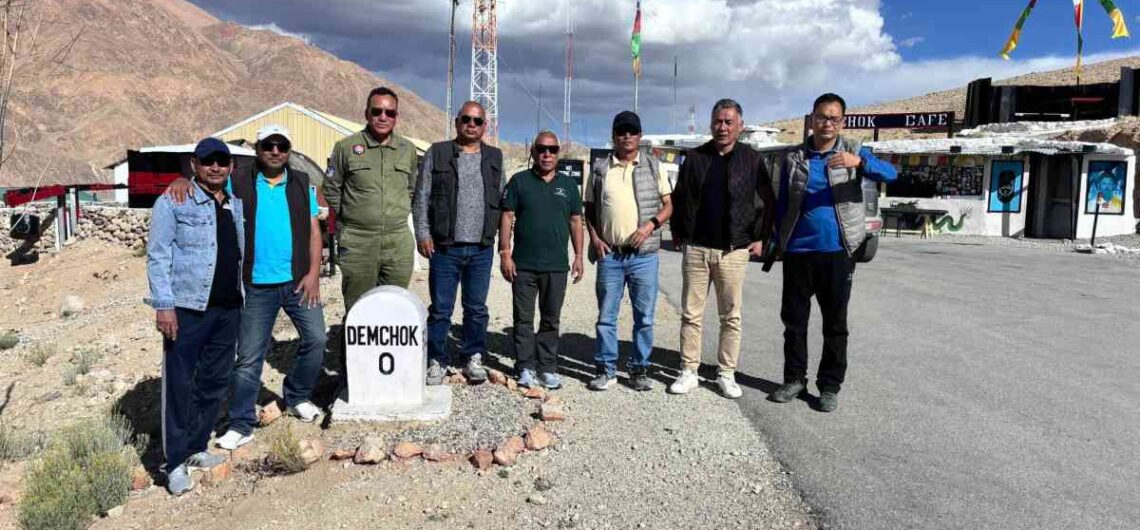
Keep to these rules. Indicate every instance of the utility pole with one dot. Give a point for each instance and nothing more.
(569, 75)
(450, 71)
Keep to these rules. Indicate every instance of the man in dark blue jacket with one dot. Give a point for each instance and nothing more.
(820, 220)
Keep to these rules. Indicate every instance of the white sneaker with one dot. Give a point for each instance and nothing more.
(685, 382)
(232, 440)
(728, 386)
(306, 411)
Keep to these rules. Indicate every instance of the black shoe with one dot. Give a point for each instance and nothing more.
(639, 381)
(788, 392)
(828, 401)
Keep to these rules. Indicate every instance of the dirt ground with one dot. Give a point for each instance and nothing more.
(624, 459)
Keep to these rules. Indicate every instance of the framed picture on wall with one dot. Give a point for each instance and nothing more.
(1005, 186)
(1107, 179)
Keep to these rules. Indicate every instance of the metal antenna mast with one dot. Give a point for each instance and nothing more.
(450, 71)
(569, 75)
(485, 63)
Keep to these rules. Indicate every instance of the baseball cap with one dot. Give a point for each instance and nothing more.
(271, 130)
(627, 119)
(209, 146)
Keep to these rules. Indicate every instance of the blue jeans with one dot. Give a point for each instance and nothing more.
(195, 372)
(453, 266)
(261, 306)
(615, 271)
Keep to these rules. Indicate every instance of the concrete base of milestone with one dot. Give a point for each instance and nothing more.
(436, 406)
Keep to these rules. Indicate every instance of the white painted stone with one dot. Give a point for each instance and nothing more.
(386, 359)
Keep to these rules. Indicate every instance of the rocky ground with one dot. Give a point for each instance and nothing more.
(622, 459)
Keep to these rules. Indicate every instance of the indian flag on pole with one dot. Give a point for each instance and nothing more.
(1016, 35)
(635, 42)
(1119, 28)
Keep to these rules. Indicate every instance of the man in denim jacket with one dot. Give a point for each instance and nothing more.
(194, 259)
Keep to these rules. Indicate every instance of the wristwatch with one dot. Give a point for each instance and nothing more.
(656, 223)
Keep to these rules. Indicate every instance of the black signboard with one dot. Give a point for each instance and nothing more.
(571, 168)
(912, 120)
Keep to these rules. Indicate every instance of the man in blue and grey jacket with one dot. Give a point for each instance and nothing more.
(194, 261)
(821, 224)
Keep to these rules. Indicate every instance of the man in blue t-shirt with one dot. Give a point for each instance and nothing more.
(821, 224)
(281, 272)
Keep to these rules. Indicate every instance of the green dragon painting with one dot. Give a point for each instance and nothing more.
(946, 222)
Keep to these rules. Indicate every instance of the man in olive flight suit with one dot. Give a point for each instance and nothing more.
(371, 175)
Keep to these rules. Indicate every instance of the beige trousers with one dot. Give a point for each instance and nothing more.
(701, 266)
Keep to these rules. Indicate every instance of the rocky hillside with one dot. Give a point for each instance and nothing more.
(955, 99)
(108, 75)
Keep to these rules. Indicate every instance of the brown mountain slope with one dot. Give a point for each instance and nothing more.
(153, 72)
(955, 99)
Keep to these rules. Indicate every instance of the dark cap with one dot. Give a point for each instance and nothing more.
(209, 146)
(627, 119)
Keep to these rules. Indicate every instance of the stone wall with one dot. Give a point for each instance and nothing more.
(116, 225)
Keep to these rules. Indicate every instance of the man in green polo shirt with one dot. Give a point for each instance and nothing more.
(369, 186)
(541, 212)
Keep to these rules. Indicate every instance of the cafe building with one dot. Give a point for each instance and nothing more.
(1008, 184)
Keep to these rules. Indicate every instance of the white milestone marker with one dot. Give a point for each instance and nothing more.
(386, 356)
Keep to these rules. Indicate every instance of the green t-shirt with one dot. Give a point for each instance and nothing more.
(542, 220)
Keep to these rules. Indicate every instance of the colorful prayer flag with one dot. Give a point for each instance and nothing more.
(1079, 18)
(1119, 28)
(1016, 35)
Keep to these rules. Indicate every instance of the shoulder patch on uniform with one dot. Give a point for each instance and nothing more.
(331, 170)
(358, 149)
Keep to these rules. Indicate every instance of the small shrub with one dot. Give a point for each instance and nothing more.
(9, 341)
(86, 471)
(85, 359)
(284, 456)
(39, 354)
(16, 444)
(70, 375)
(57, 496)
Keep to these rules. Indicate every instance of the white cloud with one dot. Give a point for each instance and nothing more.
(911, 42)
(272, 26)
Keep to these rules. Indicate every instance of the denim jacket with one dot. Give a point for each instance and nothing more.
(181, 252)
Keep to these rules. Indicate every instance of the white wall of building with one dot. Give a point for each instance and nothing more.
(121, 172)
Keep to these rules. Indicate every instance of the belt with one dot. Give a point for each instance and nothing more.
(624, 249)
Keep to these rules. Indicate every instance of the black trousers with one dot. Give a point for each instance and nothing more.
(196, 372)
(549, 288)
(827, 276)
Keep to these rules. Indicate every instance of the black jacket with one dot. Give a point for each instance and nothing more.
(444, 192)
(297, 194)
(751, 201)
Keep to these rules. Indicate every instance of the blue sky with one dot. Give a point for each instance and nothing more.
(958, 28)
(774, 56)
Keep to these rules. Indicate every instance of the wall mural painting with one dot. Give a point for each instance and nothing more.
(933, 176)
(947, 224)
(1005, 186)
(1106, 180)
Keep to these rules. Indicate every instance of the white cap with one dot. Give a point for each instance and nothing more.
(273, 129)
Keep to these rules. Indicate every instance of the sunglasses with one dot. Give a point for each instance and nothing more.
(376, 112)
(465, 119)
(220, 159)
(627, 131)
(540, 149)
(268, 145)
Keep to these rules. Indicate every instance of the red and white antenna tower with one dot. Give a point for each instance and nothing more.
(569, 74)
(485, 63)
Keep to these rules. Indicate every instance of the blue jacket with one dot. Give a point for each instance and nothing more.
(181, 251)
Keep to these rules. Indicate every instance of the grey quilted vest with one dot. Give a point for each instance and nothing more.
(846, 191)
(645, 175)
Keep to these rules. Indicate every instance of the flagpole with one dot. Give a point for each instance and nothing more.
(636, 78)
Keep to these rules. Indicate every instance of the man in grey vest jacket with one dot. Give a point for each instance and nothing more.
(627, 200)
(456, 213)
(821, 224)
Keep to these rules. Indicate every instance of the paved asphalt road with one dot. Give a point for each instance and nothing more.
(988, 387)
